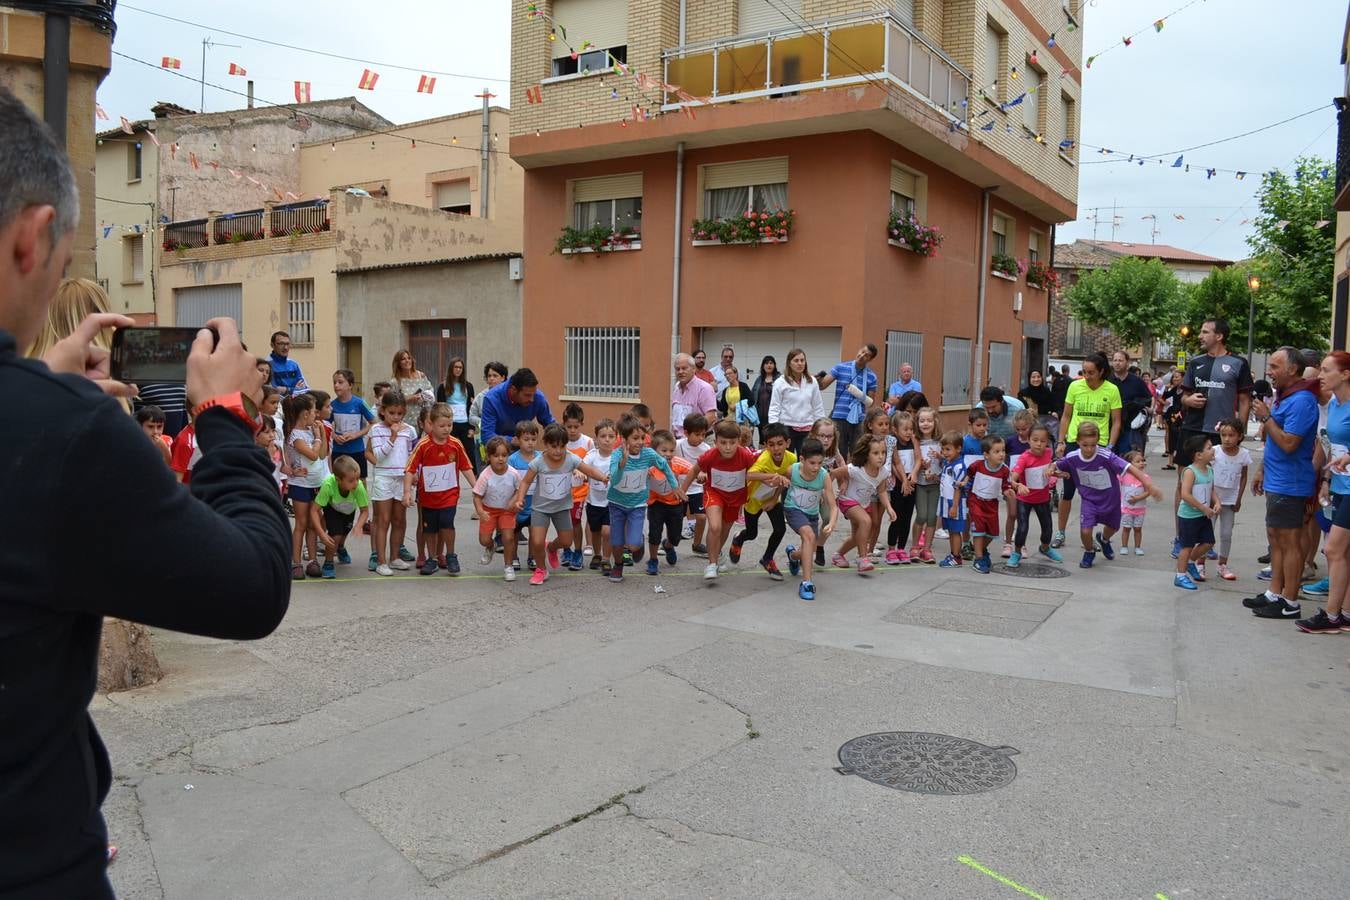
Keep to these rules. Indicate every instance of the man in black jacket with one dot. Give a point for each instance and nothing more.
(76, 470)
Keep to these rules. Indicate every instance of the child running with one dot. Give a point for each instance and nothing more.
(352, 420)
(628, 474)
(340, 506)
(597, 495)
(775, 460)
(808, 481)
(902, 489)
(1230, 482)
(1199, 505)
(689, 448)
(579, 444)
(824, 431)
(927, 477)
(727, 465)
(552, 501)
(1096, 475)
(987, 479)
(860, 484)
(1133, 508)
(877, 423)
(1033, 471)
(493, 494)
(665, 510)
(952, 501)
(436, 465)
(527, 439)
(390, 446)
(1016, 445)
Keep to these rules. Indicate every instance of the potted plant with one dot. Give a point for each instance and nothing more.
(909, 232)
(597, 238)
(772, 226)
(1042, 277)
(1005, 265)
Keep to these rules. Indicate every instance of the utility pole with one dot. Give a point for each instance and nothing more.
(207, 42)
(484, 173)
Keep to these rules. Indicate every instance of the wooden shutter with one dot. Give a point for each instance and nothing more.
(602, 22)
(452, 193)
(607, 187)
(770, 15)
(904, 182)
(746, 173)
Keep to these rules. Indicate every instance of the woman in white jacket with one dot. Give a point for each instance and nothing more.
(796, 400)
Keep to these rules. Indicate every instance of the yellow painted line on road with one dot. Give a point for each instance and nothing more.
(1001, 879)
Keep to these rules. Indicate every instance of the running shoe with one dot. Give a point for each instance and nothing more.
(508, 573)
(820, 556)
(688, 531)
(1318, 588)
(1212, 554)
(1184, 582)
(344, 558)
(1257, 601)
(1138, 551)
(892, 557)
(865, 565)
(421, 561)
(539, 577)
(1015, 560)
(926, 556)
(374, 560)
(312, 570)
(630, 558)
(1088, 559)
(515, 565)
(941, 534)
(578, 561)
(297, 572)
(710, 572)
(1105, 546)
(905, 558)
(1058, 540)
(615, 574)
(1226, 573)
(981, 565)
(1052, 554)
(771, 567)
(1321, 623)
(428, 568)
(400, 564)
(671, 556)
(383, 569)
(735, 551)
(653, 567)
(1264, 574)
(329, 570)
(806, 590)
(597, 563)
(405, 554)
(1278, 609)
(1007, 550)
(839, 561)
(1176, 547)
(553, 563)
(452, 563)
(950, 562)
(794, 565)
(1264, 558)
(485, 558)
(699, 550)
(1195, 572)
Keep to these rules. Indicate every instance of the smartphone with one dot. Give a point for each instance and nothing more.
(152, 354)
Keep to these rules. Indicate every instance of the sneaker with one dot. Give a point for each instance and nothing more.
(1058, 540)
(671, 556)
(1226, 573)
(981, 565)
(405, 554)
(508, 573)
(967, 551)
(950, 562)
(344, 558)
(1318, 588)
(1264, 574)
(1264, 559)
(428, 568)
(312, 570)
(927, 557)
(771, 567)
(806, 590)
(877, 554)
(553, 563)
(597, 563)
(383, 569)
(1138, 551)
(637, 556)
(1212, 554)
(1257, 601)
(1278, 609)
(400, 564)
(452, 563)
(539, 577)
(1176, 547)
(1105, 546)
(1184, 582)
(529, 563)
(1195, 572)
(735, 552)
(710, 572)
(1007, 550)
(905, 558)
(605, 569)
(1088, 559)
(1321, 623)
(485, 558)
(892, 557)
(700, 550)
(794, 565)
(630, 559)
(588, 551)
(1015, 560)
(578, 561)
(941, 534)
(566, 557)
(421, 561)
(374, 560)
(515, 565)
(653, 567)
(328, 570)
(838, 561)
(297, 572)
(615, 574)
(820, 557)
(723, 568)
(688, 531)
(1052, 554)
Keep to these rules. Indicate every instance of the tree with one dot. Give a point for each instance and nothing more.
(1224, 294)
(1136, 298)
(1294, 248)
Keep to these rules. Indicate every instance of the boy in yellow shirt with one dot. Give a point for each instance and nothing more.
(765, 496)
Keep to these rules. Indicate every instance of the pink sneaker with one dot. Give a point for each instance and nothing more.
(553, 560)
(903, 557)
(926, 556)
(893, 557)
(839, 561)
(1007, 549)
(1226, 573)
(865, 565)
(539, 577)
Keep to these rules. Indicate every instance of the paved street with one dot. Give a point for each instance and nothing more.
(423, 738)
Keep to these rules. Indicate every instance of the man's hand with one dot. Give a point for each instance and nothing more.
(1258, 483)
(224, 369)
(78, 355)
(1194, 400)
(1260, 409)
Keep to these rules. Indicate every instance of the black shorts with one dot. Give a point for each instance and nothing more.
(1286, 511)
(1195, 532)
(335, 523)
(597, 518)
(695, 504)
(359, 457)
(434, 520)
(1341, 506)
(1066, 488)
(1184, 459)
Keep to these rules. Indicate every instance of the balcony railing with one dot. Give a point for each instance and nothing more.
(185, 235)
(309, 217)
(866, 47)
(233, 228)
(289, 221)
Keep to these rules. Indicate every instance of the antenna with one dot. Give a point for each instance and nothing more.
(207, 42)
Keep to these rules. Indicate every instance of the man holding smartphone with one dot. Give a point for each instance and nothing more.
(80, 470)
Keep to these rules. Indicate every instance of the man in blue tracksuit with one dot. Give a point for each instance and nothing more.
(286, 375)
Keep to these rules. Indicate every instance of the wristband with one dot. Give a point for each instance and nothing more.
(238, 403)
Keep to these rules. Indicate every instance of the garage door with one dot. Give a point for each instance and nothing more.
(821, 346)
(198, 305)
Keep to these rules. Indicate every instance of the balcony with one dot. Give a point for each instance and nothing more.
(872, 47)
(291, 220)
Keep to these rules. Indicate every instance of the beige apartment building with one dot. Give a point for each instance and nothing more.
(127, 174)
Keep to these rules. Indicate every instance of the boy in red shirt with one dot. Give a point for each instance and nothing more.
(437, 462)
(185, 453)
(987, 479)
(728, 466)
(665, 509)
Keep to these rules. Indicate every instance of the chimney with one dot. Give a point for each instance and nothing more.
(250, 93)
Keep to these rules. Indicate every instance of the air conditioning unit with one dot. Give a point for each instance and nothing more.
(516, 268)
(1017, 302)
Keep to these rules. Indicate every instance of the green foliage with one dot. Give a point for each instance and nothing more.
(750, 228)
(1294, 256)
(1136, 298)
(596, 238)
(1224, 294)
(1004, 264)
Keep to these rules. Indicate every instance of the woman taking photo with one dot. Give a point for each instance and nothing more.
(1091, 398)
(457, 392)
(413, 384)
(761, 393)
(1036, 395)
(795, 400)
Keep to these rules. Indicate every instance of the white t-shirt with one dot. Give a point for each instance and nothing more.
(392, 450)
(314, 468)
(931, 453)
(497, 490)
(597, 492)
(579, 448)
(862, 488)
(690, 453)
(1228, 474)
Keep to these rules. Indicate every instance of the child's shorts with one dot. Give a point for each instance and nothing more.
(493, 519)
(337, 524)
(386, 487)
(561, 520)
(983, 517)
(1131, 520)
(625, 525)
(797, 520)
(597, 517)
(696, 504)
(1194, 532)
(578, 508)
(1107, 518)
(434, 520)
(300, 494)
(731, 511)
(848, 503)
(955, 526)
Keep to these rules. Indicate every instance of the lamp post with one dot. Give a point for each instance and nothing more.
(1253, 285)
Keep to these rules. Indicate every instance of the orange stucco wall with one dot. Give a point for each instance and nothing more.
(836, 270)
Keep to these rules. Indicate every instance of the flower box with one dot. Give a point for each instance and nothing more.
(752, 228)
(1006, 277)
(596, 239)
(1041, 277)
(909, 233)
(1006, 267)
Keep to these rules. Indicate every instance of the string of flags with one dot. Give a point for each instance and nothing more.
(1179, 162)
(426, 84)
(1127, 40)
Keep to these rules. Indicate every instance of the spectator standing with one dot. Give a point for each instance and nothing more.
(457, 392)
(1036, 395)
(700, 369)
(855, 391)
(494, 373)
(796, 401)
(286, 375)
(903, 385)
(761, 392)
(1335, 380)
(413, 384)
(1001, 410)
(1135, 399)
(690, 393)
(511, 402)
(720, 370)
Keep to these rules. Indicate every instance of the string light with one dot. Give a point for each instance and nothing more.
(255, 148)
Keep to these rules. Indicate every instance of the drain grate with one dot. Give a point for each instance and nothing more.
(924, 763)
(1032, 570)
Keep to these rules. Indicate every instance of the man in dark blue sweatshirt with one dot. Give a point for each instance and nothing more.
(75, 467)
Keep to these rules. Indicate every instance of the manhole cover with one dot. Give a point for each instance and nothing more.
(1032, 570)
(925, 763)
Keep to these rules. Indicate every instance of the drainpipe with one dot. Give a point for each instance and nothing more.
(484, 175)
(56, 74)
(679, 247)
(983, 269)
(683, 3)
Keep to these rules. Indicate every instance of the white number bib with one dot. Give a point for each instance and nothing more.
(346, 423)
(907, 460)
(554, 485)
(438, 478)
(805, 499)
(633, 481)
(1095, 479)
(499, 490)
(728, 481)
(1201, 493)
(986, 487)
(459, 412)
(1036, 477)
(970, 459)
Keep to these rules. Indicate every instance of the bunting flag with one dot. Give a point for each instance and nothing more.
(1179, 217)
(535, 94)
(170, 62)
(150, 134)
(126, 126)
(236, 69)
(302, 91)
(368, 79)
(1176, 164)
(987, 126)
(1243, 222)
(1127, 41)
(426, 84)
(1209, 173)
(99, 113)
(1158, 25)
(192, 160)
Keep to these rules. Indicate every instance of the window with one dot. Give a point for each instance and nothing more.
(613, 200)
(1000, 366)
(769, 15)
(453, 197)
(133, 259)
(955, 371)
(907, 188)
(1073, 334)
(604, 23)
(434, 342)
(133, 161)
(1032, 81)
(902, 347)
(300, 311)
(1034, 243)
(995, 53)
(1003, 232)
(1066, 120)
(732, 189)
(601, 362)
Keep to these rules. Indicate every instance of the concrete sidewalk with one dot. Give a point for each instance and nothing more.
(434, 738)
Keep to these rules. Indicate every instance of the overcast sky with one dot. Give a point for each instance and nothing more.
(1218, 68)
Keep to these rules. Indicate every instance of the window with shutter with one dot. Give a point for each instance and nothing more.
(453, 196)
(993, 65)
(604, 23)
(907, 192)
(732, 189)
(613, 200)
(1031, 101)
(1003, 231)
(770, 15)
